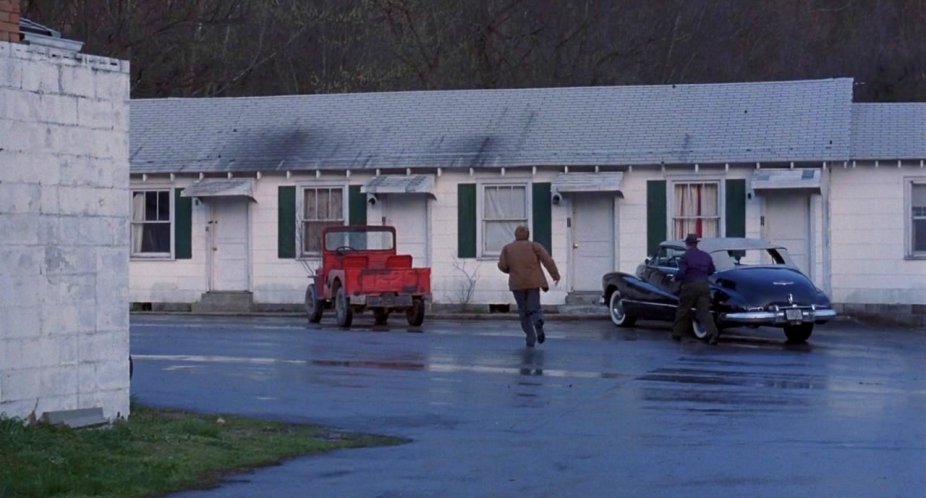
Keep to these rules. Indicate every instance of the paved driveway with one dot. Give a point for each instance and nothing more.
(595, 411)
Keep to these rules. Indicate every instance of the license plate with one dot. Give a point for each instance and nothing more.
(793, 315)
(389, 301)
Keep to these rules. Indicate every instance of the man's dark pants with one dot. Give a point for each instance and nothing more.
(529, 311)
(696, 295)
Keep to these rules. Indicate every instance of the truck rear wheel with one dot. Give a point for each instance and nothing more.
(343, 311)
(415, 314)
(313, 307)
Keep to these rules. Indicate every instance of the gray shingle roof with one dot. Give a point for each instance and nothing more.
(606, 125)
(889, 131)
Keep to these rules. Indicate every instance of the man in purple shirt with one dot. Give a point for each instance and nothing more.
(693, 269)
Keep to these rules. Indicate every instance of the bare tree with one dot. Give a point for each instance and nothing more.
(466, 287)
(264, 47)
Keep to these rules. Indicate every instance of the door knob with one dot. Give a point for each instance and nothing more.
(575, 245)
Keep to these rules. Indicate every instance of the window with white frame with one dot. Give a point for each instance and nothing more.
(151, 223)
(696, 209)
(504, 207)
(917, 222)
(321, 207)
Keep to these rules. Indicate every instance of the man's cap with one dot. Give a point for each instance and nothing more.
(692, 238)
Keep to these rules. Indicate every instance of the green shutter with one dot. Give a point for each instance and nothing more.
(466, 220)
(356, 206)
(286, 222)
(543, 223)
(183, 226)
(736, 208)
(655, 214)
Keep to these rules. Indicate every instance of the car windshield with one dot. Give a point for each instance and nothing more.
(369, 240)
(667, 256)
(725, 259)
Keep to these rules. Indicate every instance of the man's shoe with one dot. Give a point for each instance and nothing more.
(541, 336)
(712, 340)
(530, 344)
(676, 338)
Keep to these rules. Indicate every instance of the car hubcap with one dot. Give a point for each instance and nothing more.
(700, 331)
(617, 308)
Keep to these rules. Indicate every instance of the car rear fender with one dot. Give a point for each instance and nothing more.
(634, 288)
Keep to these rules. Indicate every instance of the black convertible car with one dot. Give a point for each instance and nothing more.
(756, 284)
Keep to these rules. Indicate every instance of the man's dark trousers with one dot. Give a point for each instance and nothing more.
(528, 301)
(696, 294)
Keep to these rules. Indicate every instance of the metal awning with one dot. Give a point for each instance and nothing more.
(777, 179)
(588, 182)
(399, 184)
(221, 187)
(34, 33)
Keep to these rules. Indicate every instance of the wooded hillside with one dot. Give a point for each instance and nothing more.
(205, 48)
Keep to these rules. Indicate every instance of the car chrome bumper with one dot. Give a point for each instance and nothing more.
(776, 317)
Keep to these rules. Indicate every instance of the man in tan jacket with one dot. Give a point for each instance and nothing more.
(521, 260)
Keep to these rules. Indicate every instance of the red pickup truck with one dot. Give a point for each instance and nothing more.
(361, 270)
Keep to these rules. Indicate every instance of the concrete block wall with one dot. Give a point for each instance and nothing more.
(64, 211)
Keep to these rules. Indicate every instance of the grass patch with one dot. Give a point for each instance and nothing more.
(153, 453)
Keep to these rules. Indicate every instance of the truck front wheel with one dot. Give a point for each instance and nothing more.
(343, 311)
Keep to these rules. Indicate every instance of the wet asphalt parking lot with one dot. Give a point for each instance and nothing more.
(596, 411)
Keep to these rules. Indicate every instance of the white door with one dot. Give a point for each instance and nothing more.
(592, 234)
(787, 223)
(228, 244)
(408, 213)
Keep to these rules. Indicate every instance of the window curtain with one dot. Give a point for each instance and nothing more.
(504, 208)
(138, 218)
(156, 232)
(696, 210)
(322, 207)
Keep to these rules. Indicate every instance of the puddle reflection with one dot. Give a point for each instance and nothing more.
(381, 364)
(531, 362)
(527, 362)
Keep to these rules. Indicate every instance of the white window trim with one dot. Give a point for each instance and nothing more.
(154, 256)
(908, 183)
(527, 183)
(300, 211)
(671, 181)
